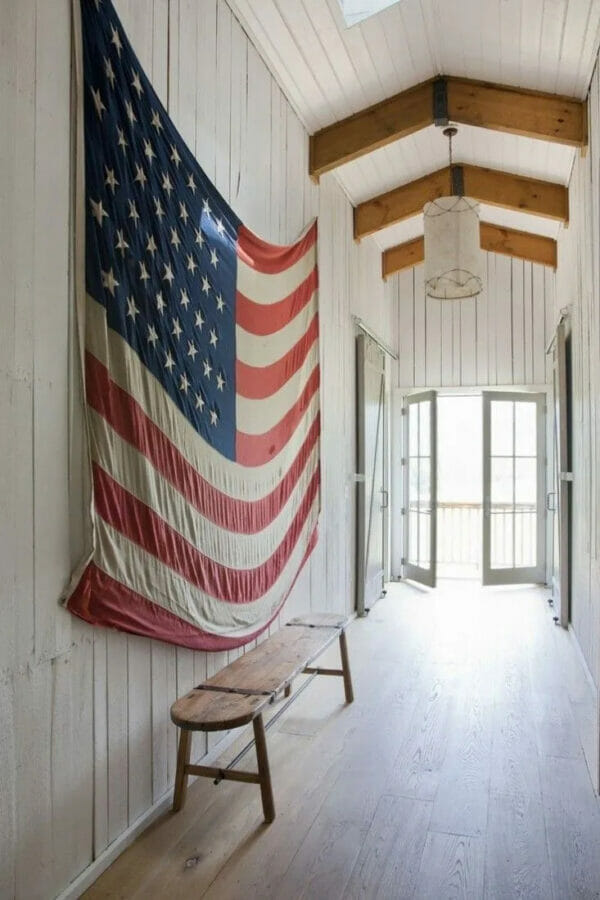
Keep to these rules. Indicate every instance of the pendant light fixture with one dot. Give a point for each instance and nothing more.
(453, 257)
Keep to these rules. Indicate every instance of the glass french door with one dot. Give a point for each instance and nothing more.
(420, 488)
(513, 488)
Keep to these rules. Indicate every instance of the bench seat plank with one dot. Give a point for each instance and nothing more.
(320, 620)
(201, 710)
(271, 665)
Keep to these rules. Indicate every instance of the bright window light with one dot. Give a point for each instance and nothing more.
(356, 10)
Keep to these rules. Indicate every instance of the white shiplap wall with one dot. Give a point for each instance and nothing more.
(578, 287)
(86, 746)
(498, 338)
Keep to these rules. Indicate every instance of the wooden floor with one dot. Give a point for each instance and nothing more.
(459, 771)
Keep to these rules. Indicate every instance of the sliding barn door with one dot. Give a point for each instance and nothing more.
(420, 488)
(562, 480)
(371, 484)
(514, 510)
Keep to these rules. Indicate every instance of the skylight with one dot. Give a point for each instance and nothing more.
(356, 10)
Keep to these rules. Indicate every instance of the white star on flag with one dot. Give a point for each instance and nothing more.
(132, 310)
(98, 211)
(109, 281)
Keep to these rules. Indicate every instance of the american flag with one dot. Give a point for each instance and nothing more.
(201, 374)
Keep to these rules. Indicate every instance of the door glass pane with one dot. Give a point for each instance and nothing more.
(525, 538)
(413, 429)
(424, 484)
(424, 426)
(413, 537)
(502, 481)
(413, 482)
(501, 524)
(525, 429)
(525, 481)
(502, 427)
(424, 539)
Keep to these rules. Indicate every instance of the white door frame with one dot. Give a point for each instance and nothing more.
(521, 575)
(412, 570)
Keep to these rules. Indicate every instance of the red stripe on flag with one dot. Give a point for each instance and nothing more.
(128, 419)
(258, 382)
(256, 449)
(140, 524)
(271, 258)
(101, 600)
(267, 318)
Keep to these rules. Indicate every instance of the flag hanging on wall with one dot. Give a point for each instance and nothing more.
(201, 375)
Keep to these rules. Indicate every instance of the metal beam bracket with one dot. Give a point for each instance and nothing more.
(440, 102)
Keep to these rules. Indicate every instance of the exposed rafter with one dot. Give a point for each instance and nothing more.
(534, 114)
(521, 244)
(516, 192)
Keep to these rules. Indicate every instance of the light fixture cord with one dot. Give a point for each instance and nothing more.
(450, 162)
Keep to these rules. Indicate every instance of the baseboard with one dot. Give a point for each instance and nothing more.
(590, 679)
(90, 874)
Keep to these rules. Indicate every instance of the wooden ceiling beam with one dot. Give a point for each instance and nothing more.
(371, 128)
(516, 192)
(534, 114)
(508, 241)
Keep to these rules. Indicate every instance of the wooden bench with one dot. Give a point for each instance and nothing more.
(239, 693)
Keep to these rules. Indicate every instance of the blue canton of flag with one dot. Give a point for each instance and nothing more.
(161, 241)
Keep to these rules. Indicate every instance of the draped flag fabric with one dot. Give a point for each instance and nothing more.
(201, 378)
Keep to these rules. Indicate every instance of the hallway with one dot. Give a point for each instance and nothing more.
(459, 771)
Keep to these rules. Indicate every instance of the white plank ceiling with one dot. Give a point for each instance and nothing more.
(329, 71)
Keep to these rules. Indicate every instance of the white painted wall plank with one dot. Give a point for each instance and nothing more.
(499, 337)
(100, 740)
(51, 329)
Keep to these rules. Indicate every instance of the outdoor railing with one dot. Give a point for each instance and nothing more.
(459, 536)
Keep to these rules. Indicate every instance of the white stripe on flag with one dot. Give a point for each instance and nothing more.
(259, 416)
(135, 473)
(146, 575)
(264, 350)
(263, 288)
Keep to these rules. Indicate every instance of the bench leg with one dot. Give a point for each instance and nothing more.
(346, 668)
(263, 768)
(183, 758)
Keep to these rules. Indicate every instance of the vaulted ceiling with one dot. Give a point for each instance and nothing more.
(330, 72)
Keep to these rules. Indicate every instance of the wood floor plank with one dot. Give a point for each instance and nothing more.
(419, 763)
(516, 861)
(326, 857)
(556, 730)
(572, 817)
(461, 802)
(389, 860)
(515, 762)
(451, 867)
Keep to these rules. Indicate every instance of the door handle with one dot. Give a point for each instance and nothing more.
(385, 503)
(551, 507)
